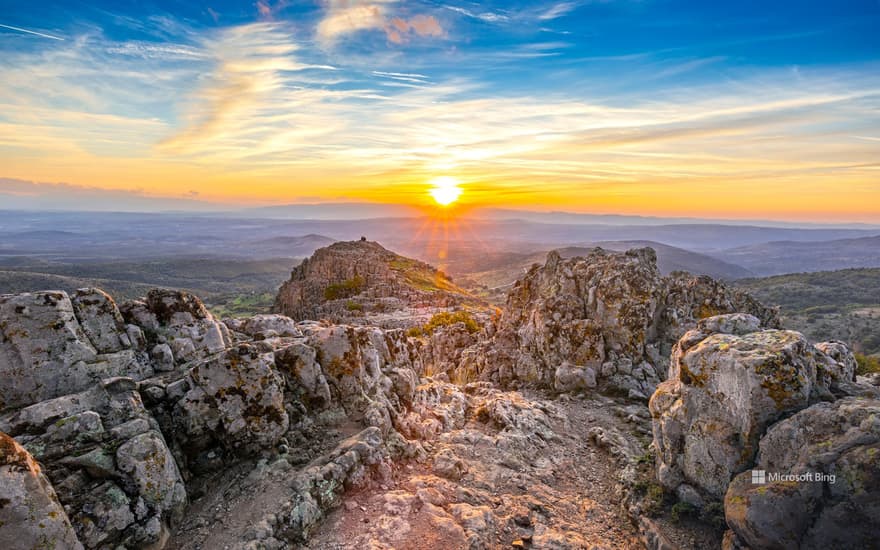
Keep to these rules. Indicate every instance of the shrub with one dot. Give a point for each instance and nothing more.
(345, 289)
(867, 364)
(415, 332)
(353, 306)
(446, 318)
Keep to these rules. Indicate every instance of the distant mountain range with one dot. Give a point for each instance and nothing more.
(779, 257)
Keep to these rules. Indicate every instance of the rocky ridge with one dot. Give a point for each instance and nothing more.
(362, 283)
(172, 429)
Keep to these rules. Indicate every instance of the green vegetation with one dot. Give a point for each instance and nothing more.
(345, 289)
(422, 277)
(353, 306)
(654, 497)
(445, 319)
(829, 305)
(867, 364)
(241, 305)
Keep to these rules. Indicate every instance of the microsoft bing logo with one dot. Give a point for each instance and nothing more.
(759, 477)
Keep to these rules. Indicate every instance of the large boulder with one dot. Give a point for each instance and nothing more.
(235, 398)
(46, 352)
(816, 483)
(30, 514)
(728, 382)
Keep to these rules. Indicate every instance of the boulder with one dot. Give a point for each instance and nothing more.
(30, 514)
(724, 391)
(237, 398)
(828, 495)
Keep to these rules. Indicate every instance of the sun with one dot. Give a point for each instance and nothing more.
(445, 190)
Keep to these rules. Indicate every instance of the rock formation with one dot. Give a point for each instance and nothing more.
(360, 282)
(153, 424)
(608, 319)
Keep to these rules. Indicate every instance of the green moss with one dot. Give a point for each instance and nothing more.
(345, 289)
(353, 306)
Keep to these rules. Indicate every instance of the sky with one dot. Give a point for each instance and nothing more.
(749, 110)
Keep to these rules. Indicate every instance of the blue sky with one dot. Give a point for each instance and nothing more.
(262, 101)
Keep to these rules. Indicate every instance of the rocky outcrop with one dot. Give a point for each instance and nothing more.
(180, 321)
(360, 282)
(729, 381)
(828, 495)
(30, 514)
(46, 351)
(106, 458)
(607, 319)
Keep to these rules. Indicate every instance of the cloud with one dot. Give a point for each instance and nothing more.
(487, 16)
(557, 10)
(34, 195)
(344, 18)
(398, 30)
(267, 10)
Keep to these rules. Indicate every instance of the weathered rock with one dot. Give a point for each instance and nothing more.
(608, 312)
(724, 392)
(237, 398)
(319, 488)
(835, 503)
(114, 474)
(30, 514)
(838, 367)
(100, 320)
(180, 320)
(261, 327)
(45, 353)
(571, 378)
(346, 282)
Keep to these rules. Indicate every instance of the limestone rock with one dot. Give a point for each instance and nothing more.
(609, 312)
(572, 378)
(265, 326)
(236, 396)
(100, 320)
(113, 471)
(30, 514)
(835, 503)
(180, 320)
(46, 353)
(724, 392)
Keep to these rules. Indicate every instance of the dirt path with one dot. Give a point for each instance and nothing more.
(533, 486)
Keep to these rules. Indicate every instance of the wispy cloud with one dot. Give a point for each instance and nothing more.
(557, 10)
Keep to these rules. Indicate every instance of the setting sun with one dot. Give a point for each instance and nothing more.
(445, 190)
